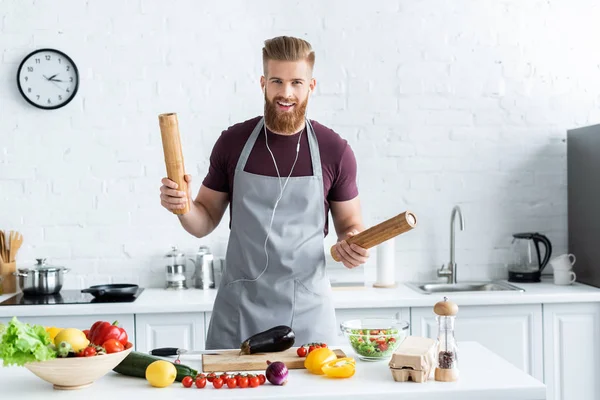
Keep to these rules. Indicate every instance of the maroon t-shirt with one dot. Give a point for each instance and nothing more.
(337, 160)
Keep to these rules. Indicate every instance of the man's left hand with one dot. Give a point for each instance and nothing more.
(351, 255)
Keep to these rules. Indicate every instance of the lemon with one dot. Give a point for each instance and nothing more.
(74, 337)
(161, 373)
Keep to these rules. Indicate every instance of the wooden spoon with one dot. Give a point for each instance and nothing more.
(15, 244)
(2, 248)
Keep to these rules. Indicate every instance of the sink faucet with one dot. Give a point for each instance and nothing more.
(449, 270)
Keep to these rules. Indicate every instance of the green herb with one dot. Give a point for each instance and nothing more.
(22, 343)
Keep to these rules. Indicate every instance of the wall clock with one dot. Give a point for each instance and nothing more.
(48, 79)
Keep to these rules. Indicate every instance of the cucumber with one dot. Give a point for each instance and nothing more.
(135, 364)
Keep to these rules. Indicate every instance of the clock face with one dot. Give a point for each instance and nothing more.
(48, 79)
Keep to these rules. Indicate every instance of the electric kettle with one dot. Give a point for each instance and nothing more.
(527, 263)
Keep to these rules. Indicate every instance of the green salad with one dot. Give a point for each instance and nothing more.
(373, 343)
(21, 343)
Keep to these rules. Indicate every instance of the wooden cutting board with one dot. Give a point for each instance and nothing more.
(232, 361)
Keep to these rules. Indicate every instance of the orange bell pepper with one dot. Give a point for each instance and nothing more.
(340, 368)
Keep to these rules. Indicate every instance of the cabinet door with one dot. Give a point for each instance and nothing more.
(182, 330)
(81, 322)
(345, 314)
(572, 351)
(514, 332)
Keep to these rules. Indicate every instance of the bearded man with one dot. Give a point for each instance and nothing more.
(281, 174)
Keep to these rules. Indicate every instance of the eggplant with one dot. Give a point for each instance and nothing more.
(278, 338)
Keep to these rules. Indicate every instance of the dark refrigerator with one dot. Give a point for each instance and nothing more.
(583, 180)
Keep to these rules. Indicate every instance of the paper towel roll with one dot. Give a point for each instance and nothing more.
(386, 265)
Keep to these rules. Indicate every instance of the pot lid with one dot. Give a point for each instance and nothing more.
(41, 266)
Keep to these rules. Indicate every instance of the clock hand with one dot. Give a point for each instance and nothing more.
(52, 77)
(55, 80)
(56, 84)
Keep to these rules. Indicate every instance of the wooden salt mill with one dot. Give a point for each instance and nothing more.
(447, 350)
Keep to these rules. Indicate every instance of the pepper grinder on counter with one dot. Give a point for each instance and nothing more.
(447, 350)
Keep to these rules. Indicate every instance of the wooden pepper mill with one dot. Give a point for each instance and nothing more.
(447, 350)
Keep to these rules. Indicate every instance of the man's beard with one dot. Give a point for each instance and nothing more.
(286, 122)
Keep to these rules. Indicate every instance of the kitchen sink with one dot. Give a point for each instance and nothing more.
(436, 287)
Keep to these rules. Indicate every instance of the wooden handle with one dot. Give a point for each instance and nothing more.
(171, 141)
(381, 232)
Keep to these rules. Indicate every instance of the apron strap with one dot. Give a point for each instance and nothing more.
(241, 164)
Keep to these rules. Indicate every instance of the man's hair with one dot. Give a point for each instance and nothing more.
(287, 48)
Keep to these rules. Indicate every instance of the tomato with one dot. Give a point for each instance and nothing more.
(311, 348)
(89, 351)
(374, 332)
(187, 382)
(200, 382)
(113, 346)
(231, 383)
(224, 376)
(262, 379)
(217, 383)
(211, 377)
(380, 340)
(200, 376)
(243, 382)
(253, 381)
(383, 347)
(391, 340)
(302, 351)
(323, 344)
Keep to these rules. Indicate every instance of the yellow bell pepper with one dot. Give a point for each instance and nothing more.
(340, 368)
(53, 331)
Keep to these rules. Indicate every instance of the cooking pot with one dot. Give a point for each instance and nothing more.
(41, 279)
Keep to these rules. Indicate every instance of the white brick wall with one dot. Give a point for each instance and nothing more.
(461, 102)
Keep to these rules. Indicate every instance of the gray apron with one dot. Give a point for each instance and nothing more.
(294, 290)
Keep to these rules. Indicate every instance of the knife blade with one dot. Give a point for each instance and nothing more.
(174, 351)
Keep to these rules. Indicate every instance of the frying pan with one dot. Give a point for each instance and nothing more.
(114, 290)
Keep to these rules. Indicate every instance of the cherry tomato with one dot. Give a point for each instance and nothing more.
(383, 346)
(253, 381)
(231, 383)
(302, 351)
(200, 382)
(391, 340)
(211, 377)
(323, 344)
(243, 382)
(113, 346)
(218, 383)
(225, 376)
(187, 382)
(200, 376)
(311, 348)
(89, 352)
(262, 379)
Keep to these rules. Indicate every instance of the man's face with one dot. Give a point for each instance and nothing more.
(287, 85)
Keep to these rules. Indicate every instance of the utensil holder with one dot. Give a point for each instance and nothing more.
(9, 281)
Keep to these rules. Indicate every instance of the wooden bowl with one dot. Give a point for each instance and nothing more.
(76, 372)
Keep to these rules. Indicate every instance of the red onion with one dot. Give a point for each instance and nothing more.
(276, 373)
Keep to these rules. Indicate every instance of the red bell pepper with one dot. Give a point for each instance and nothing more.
(102, 331)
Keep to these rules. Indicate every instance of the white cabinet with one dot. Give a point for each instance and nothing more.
(572, 351)
(81, 322)
(342, 315)
(514, 332)
(182, 330)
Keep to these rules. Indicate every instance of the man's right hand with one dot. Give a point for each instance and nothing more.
(171, 198)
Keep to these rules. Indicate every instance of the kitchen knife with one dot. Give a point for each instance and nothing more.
(174, 351)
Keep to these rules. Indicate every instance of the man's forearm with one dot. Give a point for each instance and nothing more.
(345, 232)
(197, 221)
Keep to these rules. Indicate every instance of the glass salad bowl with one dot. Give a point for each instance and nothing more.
(375, 339)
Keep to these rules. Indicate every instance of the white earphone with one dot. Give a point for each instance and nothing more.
(281, 189)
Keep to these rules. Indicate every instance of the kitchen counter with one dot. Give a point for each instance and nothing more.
(154, 300)
(483, 375)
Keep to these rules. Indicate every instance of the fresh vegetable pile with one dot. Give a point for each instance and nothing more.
(225, 379)
(375, 343)
(21, 343)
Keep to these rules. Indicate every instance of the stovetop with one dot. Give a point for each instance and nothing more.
(66, 297)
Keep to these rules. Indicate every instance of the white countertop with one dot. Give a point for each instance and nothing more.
(483, 375)
(194, 300)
